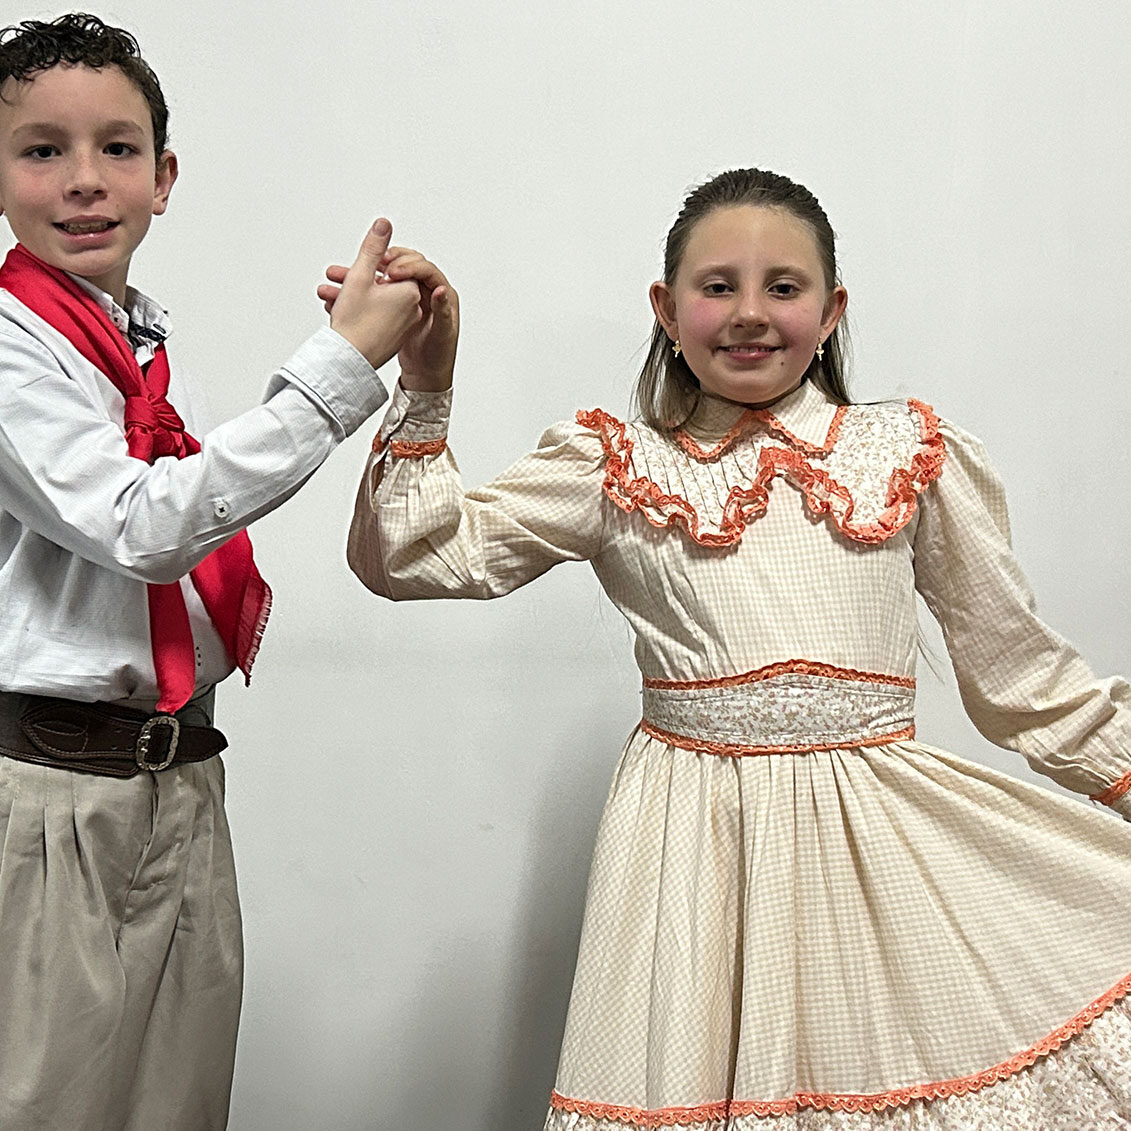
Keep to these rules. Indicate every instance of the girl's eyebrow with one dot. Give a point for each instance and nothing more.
(724, 268)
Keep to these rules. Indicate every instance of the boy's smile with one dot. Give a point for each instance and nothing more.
(79, 180)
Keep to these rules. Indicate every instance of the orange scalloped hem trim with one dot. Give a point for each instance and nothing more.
(1114, 792)
(825, 1101)
(734, 750)
(823, 495)
(785, 667)
(405, 449)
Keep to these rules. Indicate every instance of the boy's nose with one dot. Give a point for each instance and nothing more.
(85, 177)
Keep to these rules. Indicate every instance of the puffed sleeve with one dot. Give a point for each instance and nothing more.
(1024, 687)
(416, 533)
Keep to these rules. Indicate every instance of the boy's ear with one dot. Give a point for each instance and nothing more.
(163, 181)
(664, 306)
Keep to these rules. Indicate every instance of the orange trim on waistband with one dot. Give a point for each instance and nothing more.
(734, 750)
(826, 1101)
(406, 449)
(783, 667)
(1114, 792)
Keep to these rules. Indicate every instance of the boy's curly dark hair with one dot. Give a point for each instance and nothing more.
(79, 39)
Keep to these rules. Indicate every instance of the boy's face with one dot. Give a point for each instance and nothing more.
(79, 181)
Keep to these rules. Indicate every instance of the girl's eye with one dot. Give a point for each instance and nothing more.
(716, 288)
(42, 152)
(785, 290)
(120, 149)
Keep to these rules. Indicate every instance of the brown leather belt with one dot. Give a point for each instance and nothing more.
(98, 738)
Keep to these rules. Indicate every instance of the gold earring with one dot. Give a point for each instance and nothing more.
(820, 351)
(676, 348)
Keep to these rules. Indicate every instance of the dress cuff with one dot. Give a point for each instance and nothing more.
(337, 377)
(415, 425)
(1117, 796)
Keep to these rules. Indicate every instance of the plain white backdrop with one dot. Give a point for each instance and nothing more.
(414, 789)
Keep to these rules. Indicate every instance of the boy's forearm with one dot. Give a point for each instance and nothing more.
(66, 475)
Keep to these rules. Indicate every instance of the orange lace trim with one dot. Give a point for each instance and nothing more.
(1114, 792)
(772, 422)
(768, 420)
(823, 495)
(404, 449)
(899, 1097)
(786, 667)
(732, 750)
(696, 450)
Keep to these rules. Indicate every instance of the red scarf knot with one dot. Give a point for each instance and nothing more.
(153, 428)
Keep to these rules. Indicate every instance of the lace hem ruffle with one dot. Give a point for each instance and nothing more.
(1059, 1064)
(866, 477)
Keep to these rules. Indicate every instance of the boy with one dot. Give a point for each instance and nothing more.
(127, 590)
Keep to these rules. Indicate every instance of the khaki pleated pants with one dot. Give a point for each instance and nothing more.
(121, 956)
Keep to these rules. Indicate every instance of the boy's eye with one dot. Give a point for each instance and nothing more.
(120, 149)
(42, 152)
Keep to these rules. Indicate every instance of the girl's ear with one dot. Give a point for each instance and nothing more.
(834, 308)
(664, 305)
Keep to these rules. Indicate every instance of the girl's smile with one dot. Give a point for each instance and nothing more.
(749, 304)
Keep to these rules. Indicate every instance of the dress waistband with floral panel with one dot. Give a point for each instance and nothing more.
(793, 707)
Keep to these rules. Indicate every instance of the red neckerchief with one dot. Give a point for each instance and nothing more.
(235, 596)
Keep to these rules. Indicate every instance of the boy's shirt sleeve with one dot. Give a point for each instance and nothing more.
(66, 473)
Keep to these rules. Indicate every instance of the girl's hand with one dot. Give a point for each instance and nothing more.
(428, 352)
(373, 314)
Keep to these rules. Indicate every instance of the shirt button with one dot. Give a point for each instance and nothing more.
(221, 508)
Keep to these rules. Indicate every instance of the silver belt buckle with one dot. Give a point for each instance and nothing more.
(144, 739)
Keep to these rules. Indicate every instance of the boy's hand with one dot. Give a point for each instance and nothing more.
(428, 351)
(372, 314)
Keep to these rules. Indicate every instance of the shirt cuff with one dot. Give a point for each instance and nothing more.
(415, 418)
(337, 377)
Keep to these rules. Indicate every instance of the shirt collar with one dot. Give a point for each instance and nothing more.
(142, 322)
(806, 414)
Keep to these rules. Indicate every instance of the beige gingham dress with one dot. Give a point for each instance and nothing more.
(798, 916)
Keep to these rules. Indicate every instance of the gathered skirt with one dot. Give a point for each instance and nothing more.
(880, 935)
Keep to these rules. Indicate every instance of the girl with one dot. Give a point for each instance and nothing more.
(798, 917)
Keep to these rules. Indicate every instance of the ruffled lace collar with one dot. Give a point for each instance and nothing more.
(861, 466)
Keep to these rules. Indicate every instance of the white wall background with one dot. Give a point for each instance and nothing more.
(414, 790)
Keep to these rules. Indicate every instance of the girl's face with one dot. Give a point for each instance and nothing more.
(749, 303)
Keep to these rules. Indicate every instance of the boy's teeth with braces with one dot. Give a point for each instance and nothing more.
(77, 229)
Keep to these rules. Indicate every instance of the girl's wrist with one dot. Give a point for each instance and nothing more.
(416, 382)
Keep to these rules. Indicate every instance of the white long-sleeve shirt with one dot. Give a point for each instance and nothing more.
(84, 526)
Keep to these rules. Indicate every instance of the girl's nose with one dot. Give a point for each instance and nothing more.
(749, 307)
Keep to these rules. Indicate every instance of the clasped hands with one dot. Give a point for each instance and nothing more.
(392, 300)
